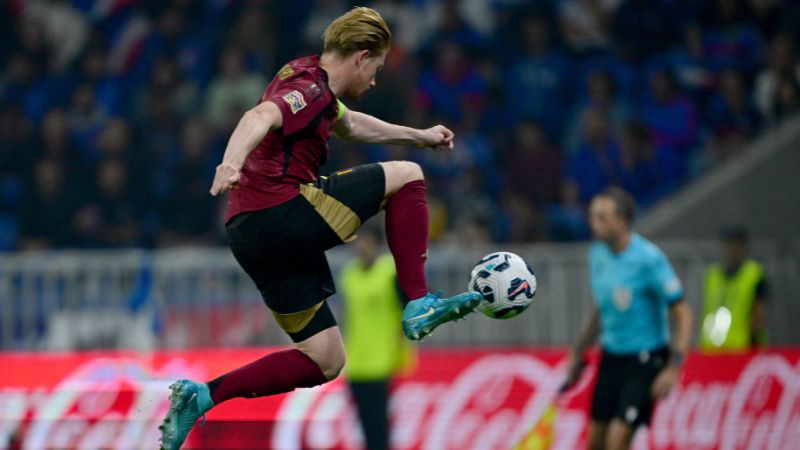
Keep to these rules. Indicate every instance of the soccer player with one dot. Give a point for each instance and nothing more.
(634, 289)
(282, 216)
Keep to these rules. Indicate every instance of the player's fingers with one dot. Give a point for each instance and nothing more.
(216, 185)
(446, 145)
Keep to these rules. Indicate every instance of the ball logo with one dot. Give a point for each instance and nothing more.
(519, 286)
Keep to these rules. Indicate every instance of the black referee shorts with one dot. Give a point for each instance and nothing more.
(282, 248)
(623, 386)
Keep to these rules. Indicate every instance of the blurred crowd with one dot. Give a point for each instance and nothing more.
(114, 113)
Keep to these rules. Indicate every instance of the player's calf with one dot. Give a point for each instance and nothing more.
(316, 360)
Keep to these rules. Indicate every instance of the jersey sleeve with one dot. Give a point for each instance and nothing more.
(300, 102)
(665, 281)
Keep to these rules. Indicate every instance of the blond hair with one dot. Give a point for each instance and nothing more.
(358, 29)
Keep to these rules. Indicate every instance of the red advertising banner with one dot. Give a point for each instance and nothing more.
(456, 399)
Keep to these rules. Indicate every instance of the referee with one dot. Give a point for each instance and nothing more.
(634, 286)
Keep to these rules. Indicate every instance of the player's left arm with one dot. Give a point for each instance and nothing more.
(669, 287)
(357, 126)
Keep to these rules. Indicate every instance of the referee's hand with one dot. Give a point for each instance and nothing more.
(575, 367)
(664, 382)
(227, 177)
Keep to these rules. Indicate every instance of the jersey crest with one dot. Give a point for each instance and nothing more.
(295, 100)
(313, 92)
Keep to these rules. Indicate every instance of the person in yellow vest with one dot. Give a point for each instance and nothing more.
(373, 336)
(734, 305)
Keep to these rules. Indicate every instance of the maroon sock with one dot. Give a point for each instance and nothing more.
(407, 235)
(273, 374)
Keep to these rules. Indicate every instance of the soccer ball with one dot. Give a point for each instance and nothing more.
(506, 282)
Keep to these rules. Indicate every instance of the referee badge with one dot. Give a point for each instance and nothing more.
(622, 298)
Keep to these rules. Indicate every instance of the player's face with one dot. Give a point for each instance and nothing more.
(367, 247)
(604, 220)
(735, 252)
(367, 68)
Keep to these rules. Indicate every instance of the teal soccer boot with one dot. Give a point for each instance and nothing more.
(423, 315)
(188, 402)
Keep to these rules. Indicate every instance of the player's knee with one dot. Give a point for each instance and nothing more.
(334, 366)
(326, 349)
(412, 171)
(399, 173)
(331, 362)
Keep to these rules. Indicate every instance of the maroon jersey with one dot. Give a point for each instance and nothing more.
(292, 155)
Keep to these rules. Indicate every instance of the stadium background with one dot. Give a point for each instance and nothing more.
(113, 114)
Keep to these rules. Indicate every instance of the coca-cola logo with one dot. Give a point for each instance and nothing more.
(110, 403)
(760, 411)
(489, 405)
(475, 400)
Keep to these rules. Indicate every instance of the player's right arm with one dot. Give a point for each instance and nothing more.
(587, 336)
(252, 127)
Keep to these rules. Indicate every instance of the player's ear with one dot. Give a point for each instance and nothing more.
(361, 57)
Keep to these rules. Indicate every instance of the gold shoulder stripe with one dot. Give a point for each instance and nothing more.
(285, 72)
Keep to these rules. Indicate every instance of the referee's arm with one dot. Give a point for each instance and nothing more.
(588, 335)
(682, 322)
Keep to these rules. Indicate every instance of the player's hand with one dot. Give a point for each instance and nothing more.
(227, 177)
(575, 367)
(438, 138)
(664, 382)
